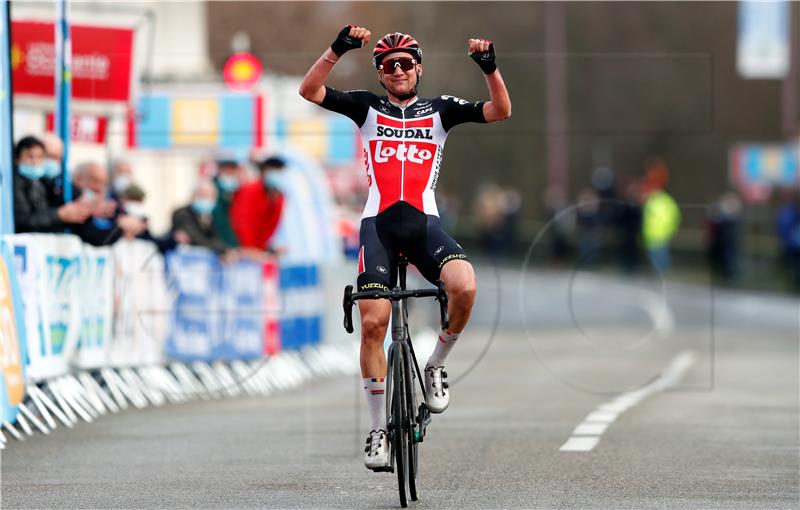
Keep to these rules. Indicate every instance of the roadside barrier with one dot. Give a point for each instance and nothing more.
(86, 330)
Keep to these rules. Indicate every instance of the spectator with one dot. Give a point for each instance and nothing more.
(561, 222)
(661, 216)
(227, 182)
(489, 218)
(629, 227)
(37, 208)
(257, 207)
(724, 226)
(121, 178)
(788, 227)
(132, 203)
(53, 154)
(107, 222)
(588, 224)
(193, 224)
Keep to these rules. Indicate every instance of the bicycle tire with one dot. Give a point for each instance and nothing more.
(399, 410)
(411, 404)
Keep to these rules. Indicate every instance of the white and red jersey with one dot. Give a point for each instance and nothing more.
(402, 145)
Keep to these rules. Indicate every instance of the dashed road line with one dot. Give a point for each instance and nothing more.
(587, 434)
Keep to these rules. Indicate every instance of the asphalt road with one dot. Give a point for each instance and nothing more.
(721, 431)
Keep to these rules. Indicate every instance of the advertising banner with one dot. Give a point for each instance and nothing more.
(762, 49)
(242, 316)
(96, 287)
(102, 60)
(142, 305)
(12, 339)
(191, 276)
(303, 306)
(48, 267)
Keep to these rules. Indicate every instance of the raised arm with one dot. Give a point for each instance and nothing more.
(499, 105)
(313, 86)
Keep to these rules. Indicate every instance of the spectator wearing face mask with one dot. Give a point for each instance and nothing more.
(37, 208)
(193, 224)
(121, 178)
(107, 222)
(132, 203)
(256, 209)
(53, 154)
(227, 182)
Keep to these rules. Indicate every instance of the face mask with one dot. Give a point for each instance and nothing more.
(32, 172)
(88, 195)
(228, 183)
(203, 206)
(121, 183)
(52, 168)
(135, 209)
(273, 180)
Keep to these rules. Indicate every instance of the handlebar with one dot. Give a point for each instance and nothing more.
(350, 297)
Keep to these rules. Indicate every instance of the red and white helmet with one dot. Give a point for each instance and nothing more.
(396, 42)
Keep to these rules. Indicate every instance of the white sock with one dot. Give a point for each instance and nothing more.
(375, 388)
(443, 347)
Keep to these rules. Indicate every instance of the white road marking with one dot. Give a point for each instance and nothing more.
(587, 434)
(580, 444)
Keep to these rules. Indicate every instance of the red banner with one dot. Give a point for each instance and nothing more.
(101, 61)
(84, 128)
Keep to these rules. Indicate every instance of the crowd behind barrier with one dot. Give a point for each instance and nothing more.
(67, 307)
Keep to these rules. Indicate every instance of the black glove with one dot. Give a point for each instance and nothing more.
(485, 59)
(344, 43)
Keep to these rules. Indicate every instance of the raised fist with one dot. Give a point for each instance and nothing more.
(482, 52)
(351, 37)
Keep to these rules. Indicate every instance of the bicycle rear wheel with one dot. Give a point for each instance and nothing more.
(399, 420)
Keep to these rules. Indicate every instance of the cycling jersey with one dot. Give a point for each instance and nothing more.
(402, 145)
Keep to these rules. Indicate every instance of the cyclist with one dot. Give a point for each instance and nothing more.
(403, 137)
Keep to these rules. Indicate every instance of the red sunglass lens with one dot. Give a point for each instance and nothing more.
(406, 64)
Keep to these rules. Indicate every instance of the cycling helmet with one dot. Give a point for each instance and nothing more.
(396, 42)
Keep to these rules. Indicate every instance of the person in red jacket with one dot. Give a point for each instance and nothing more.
(257, 206)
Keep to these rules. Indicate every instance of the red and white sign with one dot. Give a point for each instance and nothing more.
(242, 71)
(102, 59)
(84, 128)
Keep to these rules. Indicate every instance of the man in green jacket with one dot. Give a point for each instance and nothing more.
(227, 182)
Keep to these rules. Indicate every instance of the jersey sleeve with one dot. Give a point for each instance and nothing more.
(352, 103)
(454, 111)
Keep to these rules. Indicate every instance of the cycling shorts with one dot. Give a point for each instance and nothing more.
(403, 229)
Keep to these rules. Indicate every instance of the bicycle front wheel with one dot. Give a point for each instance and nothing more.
(410, 436)
(399, 420)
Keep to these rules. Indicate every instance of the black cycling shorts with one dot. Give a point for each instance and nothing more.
(403, 229)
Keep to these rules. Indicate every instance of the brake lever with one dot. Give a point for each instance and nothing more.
(347, 304)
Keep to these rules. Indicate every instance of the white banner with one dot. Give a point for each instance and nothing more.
(762, 50)
(96, 287)
(48, 267)
(142, 305)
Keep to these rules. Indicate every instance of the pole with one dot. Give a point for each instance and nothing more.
(792, 81)
(64, 89)
(556, 95)
(6, 123)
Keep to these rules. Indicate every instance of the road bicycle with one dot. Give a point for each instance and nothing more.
(405, 420)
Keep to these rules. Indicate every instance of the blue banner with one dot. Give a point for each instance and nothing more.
(301, 318)
(219, 311)
(13, 352)
(190, 275)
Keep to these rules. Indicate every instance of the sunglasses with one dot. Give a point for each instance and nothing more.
(404, 63)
